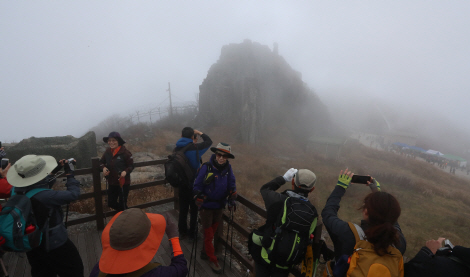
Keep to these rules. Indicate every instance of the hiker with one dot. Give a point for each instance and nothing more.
(194, 153)
(430, 262)
(303, 182)
(380, 212)
(130, 241)
(56, 255)
(5, 187)
(117, 165)
(214, 183)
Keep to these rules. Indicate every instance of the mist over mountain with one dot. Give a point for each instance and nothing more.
(256, 93)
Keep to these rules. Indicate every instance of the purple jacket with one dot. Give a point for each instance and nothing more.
(217, 191)
(177, 268)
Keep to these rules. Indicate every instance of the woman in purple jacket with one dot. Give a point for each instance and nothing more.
(214, 183)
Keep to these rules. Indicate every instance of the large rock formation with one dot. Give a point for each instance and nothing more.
(254, 90)
(82, 149)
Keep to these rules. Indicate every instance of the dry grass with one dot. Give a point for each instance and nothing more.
(434, 203)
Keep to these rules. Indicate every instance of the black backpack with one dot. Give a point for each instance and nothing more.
(177, 169)
(285, 243)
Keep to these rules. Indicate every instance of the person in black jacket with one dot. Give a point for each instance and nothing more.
(56, 255)
(303, 182)
(117, 165)
(194, 153)
(379, 207)
(430, 263)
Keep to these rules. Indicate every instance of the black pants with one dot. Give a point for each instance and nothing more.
(115, 193)
(266, 271)
(187, 202)
(64, 261)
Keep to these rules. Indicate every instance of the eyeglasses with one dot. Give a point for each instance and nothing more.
(225, 156)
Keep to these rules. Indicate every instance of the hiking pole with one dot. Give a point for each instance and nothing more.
(226, 241)
(66, 216)
(231, 238)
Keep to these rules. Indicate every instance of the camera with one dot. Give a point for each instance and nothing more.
(71, 162)
(5, 163)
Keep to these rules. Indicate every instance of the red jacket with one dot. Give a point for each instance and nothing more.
(5, 188)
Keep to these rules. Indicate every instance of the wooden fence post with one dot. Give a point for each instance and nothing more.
(95, 166)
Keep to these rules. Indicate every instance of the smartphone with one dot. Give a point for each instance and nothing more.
(5, 163)
(0, 144)
(359, 179)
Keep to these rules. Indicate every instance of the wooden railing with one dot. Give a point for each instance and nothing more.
(100, 215)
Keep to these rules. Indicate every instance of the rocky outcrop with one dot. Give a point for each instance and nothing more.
(254, 90)
(82, 149)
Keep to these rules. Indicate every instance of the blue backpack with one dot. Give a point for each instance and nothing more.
(17, 215)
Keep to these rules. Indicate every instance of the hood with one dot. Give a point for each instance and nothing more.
(182, 142)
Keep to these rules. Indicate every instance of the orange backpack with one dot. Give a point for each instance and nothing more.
(364, 262)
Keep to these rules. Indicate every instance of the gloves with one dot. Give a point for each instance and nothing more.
(67, 169)
(289, 174)
(344, 180)
(374, 184)
(232, 205)
(171, 229)
(199, 200)
(233, 195)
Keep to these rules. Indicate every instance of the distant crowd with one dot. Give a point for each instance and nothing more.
(32, 220)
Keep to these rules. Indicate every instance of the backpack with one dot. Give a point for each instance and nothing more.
(285, 244)
(177, 168)
(18, 224)
(365, 262)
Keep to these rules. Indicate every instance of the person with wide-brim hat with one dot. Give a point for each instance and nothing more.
(130, 241)
(117, 165)
(56, 255)
(213, 188)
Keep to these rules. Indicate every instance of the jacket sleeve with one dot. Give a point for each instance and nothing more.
(402, 246)
(129, 162)
(204, 146)
(231, 185)
(339, 231)
(199, 181)
(177, 268)
(268, 191)
(62, 197)
(5, 188)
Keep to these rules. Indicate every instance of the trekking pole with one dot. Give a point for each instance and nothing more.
(226, 241)
(231, 240)
(66, 216)
(193, 253)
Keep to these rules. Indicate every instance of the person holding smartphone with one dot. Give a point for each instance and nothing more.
(380, 212)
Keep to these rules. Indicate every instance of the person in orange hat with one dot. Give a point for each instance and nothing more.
(130, 241)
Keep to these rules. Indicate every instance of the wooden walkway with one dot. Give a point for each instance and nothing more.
(89, 246)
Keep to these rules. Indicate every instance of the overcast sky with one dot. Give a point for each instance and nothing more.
(66, 65)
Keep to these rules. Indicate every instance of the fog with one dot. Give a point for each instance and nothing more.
(65, 66)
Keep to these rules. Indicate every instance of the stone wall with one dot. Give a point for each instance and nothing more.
(82, 149)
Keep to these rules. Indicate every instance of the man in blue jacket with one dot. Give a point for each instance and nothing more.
(193, 153)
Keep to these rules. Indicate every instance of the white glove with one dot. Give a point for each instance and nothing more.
(290, 174)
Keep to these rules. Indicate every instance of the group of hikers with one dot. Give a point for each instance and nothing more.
(130, 240)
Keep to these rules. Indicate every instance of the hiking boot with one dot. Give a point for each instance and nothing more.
(215, 267)
(204, 255)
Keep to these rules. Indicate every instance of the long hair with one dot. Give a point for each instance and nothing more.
(383, 210)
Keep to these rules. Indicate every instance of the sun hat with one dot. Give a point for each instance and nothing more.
(30, 169)
(305, 179)
(223, 147)
(130, 241)
(115, 135)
